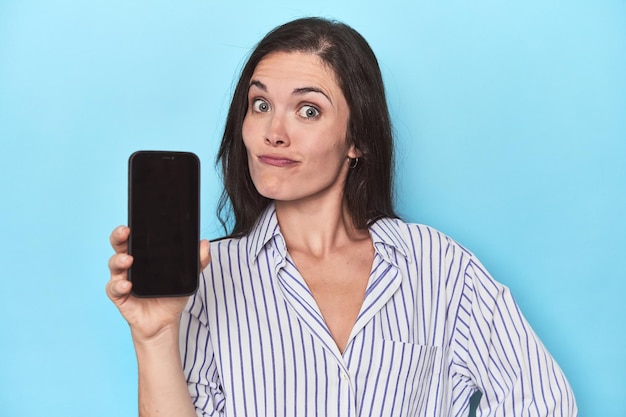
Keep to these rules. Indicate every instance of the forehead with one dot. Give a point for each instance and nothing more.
(297, 68)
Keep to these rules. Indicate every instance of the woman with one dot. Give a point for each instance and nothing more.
(321, 301)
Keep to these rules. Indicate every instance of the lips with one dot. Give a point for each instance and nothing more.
(277, 161)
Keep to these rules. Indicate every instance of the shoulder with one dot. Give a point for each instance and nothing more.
(437, 258)
(222, 249)
(416, 240)
(429, 253)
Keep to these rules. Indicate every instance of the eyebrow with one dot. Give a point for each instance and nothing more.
(297, 91)
(305, 90)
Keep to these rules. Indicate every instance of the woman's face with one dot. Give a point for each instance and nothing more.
(295, 129)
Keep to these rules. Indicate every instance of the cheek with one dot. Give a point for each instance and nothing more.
(246, 131)
(336, 151)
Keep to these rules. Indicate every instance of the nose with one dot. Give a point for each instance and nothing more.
(276, 133)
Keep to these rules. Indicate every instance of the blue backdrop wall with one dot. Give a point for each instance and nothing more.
(511, 127)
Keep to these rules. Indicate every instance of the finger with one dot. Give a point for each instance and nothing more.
(118, 289)
(119, 264)
(119, 239)
(205, 255)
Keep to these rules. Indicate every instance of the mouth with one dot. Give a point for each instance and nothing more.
(277, 161)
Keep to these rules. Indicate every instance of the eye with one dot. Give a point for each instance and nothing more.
(260, 106)
(309, 112)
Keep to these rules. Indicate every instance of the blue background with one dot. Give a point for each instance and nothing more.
(511, 137)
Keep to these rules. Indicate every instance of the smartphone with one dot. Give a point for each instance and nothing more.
(164, 221)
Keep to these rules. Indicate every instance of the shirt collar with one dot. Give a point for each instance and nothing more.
(265, 229)
(387, 236)
(390, 238)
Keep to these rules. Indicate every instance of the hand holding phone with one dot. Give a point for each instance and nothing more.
(164, 221)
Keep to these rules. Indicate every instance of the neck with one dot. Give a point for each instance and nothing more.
(317, 229)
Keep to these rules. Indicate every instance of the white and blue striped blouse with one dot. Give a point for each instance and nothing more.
(433, 329)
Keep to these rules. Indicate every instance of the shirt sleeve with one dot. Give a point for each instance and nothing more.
(198, 360)
(504, 358)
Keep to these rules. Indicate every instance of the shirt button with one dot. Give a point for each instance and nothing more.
(345, 376)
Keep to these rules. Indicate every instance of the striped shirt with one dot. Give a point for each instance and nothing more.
(433, 329)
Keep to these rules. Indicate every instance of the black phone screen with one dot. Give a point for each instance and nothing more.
(164, 221)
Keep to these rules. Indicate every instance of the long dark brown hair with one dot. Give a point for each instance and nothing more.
(368, 188)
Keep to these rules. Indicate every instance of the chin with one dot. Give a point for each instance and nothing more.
(271, 191)
(279, 194)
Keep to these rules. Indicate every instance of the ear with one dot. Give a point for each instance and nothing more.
(353, 152)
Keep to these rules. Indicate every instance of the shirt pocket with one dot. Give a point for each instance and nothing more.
(406, 380)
